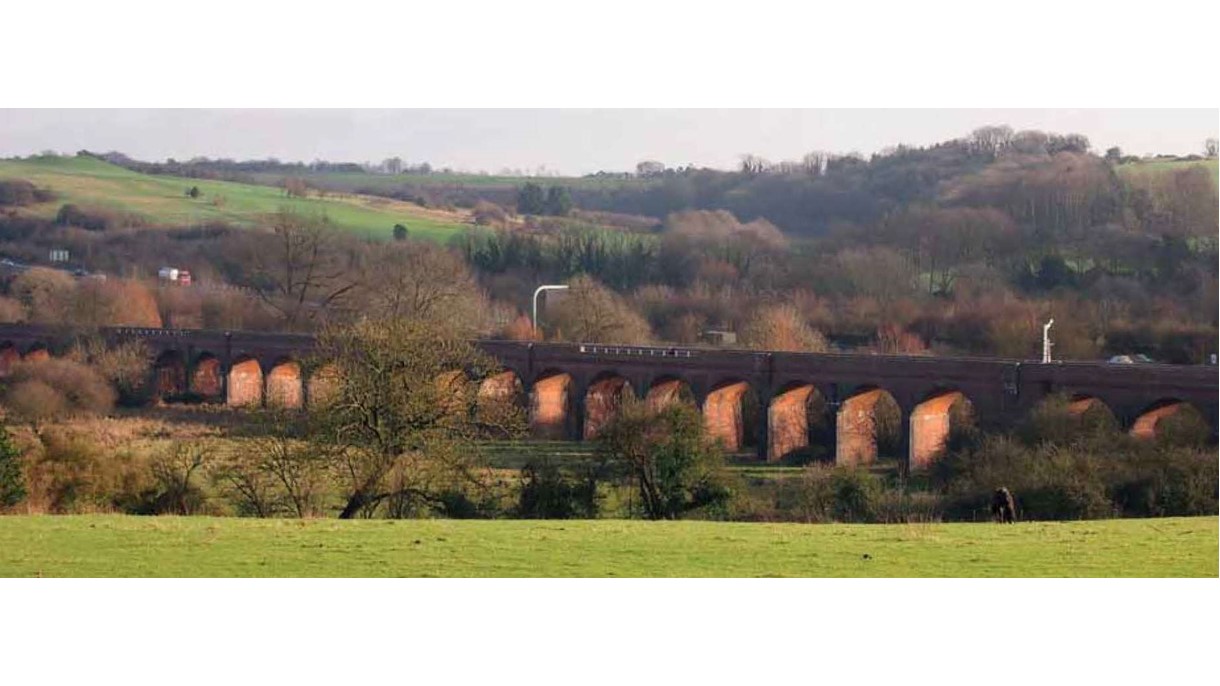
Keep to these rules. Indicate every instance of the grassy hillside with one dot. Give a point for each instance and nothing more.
(386, 182)
(199, 546)
(1137, 171)
(161, 200)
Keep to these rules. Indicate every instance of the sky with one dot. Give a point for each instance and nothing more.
(566, 141)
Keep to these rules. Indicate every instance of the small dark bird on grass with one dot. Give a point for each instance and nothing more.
(866, 556)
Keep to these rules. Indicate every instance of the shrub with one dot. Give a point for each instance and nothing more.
(11, 311)
(48, 295)
(490, 214)
(12, 478)
(674, 466)
(1051, 421)
(17, 192)
(174, 472)
(67, 472)
(56, 387)
(124, 366)
(1169, 482)
(548, 493)
(34, 401)
(827, 493)
(1104, 475)
(90, 220)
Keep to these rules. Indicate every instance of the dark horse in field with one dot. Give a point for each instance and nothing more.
(1003, 509)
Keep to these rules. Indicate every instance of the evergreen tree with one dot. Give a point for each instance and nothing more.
(558, 201)
(12, 481)
(531, 200)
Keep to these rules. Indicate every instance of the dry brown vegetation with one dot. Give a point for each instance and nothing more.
(591, 312)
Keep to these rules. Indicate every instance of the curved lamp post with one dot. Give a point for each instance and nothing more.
(549, 287)
(1046, 341)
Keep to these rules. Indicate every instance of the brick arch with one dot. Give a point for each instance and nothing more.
(797, 422)
(1153, 418)
(551, 413)
(500, 401)
(932, 421)
(285, 387)
(322, 385)
(604, 400)
(859, 424)
(9, 356)
(1090, 409)
(666, 390)
(245, 382)
(169, 375)
(505, 386)
(730, 414)
(207, 379)
(37, 352)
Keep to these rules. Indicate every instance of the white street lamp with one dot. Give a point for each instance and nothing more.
(550, 287)
(1046, 341)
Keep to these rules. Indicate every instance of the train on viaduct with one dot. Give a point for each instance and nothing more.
(763, 402)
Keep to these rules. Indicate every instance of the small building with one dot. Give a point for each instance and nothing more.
(719, 337)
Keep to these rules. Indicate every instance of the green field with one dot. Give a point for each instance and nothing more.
(161, 200)
(385, 182)
(1137, 171)
(112, 545)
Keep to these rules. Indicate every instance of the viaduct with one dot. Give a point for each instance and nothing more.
(767, 402)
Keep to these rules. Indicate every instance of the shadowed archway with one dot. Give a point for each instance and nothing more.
(933, 421)
(551, 415)
(322, 386)
(206, 378)
(500, 403)
(36, 353)
(603, 401)
(245, 383)
(1169, 415)
(730, 415)
(666, 390)
(169, 380)
(285, 388)
(798, 423)
(866, 420)
(9, 356)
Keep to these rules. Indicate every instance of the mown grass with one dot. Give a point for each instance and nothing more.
(111, 545)
(161, 200)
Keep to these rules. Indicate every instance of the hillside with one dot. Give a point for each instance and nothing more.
(1144, 169)
(162, 200)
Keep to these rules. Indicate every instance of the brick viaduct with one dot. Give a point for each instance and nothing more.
(766, 402)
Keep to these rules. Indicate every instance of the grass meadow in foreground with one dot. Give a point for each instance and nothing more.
(114, 545)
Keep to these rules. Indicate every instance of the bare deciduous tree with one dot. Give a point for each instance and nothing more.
(421, 280)
(405, 415)
(301, 269)
(591, 313)
(781, 327)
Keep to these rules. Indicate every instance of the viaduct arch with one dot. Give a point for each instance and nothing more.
(774, 404)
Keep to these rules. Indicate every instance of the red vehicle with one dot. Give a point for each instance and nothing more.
(184, 278)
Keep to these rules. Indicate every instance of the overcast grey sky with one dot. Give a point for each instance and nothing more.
(567, 141)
